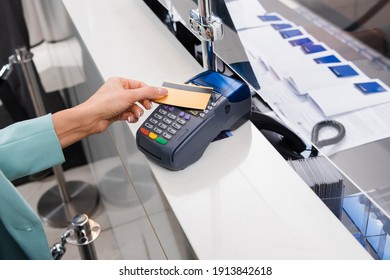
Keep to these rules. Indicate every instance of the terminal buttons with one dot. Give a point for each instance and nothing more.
(164, 124)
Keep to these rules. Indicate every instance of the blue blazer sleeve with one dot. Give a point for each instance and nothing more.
(28, 147)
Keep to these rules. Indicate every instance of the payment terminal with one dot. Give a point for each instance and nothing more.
(176, 137)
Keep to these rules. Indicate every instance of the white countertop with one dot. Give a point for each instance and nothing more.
(241, 200)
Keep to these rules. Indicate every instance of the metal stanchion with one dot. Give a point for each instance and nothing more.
(82, 232)
(63, 201)
(209, 29)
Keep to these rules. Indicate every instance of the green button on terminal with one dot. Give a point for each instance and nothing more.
(161, 141)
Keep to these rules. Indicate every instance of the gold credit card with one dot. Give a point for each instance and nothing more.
(184, 95)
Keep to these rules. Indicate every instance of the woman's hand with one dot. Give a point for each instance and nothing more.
(117, 99)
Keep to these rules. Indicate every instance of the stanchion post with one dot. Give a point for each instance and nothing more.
(209, 29)
(60, 203)
(82, 232)
(85, 231)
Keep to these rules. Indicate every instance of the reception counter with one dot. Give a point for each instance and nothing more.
(241, 200)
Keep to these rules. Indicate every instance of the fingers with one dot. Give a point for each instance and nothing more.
(143, 96)
(146, 93)
(147, 104)
(135, 112)
(130, 96)
(131, 118)
(131, 84)
(139, 90)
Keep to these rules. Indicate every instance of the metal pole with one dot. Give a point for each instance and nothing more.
(207, 46)
(209, 29)
(24, 58)
(83, 232)
(60, 203)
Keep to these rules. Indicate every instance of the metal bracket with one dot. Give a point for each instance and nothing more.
(211, 30)
(81, 232)
(6, 70)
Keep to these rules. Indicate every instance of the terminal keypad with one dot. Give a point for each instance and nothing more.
(168, 121)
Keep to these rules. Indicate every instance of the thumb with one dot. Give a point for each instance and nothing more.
(147, 92)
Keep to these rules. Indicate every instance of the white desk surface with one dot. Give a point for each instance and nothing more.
(241, 200)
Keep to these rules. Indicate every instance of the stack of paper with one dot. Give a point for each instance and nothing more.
(324, 179)
(344, 98)
(309, 67)
(305, 81)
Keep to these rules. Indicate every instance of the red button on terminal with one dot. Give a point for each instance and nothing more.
(144, 131)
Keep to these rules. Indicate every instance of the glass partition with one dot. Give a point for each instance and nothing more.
(263, 44)
(140, 222)
(136, 221)
(311, 62)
